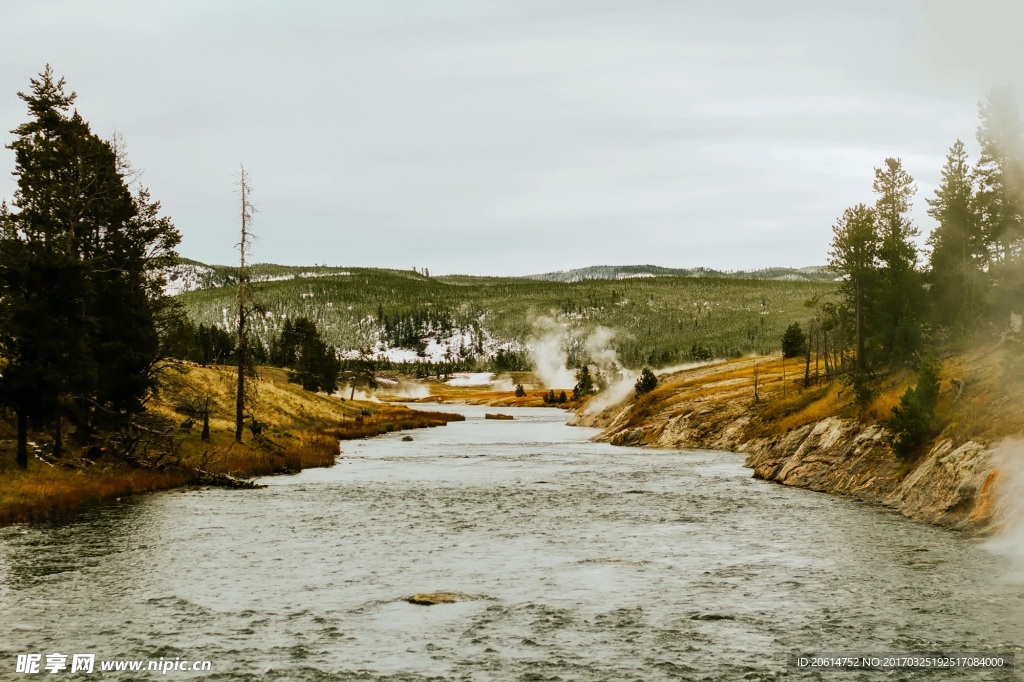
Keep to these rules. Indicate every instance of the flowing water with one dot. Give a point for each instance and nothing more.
(590, 563)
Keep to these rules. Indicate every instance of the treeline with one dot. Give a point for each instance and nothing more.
(81, 295)
(314, 364)
(209, 344)
(299, 347)
(972, 278)
(898, 307)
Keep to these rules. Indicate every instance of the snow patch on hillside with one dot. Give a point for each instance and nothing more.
(186, 277)
(298, 275)
(437, 348)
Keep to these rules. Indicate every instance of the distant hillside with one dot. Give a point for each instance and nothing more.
(189, 275)
(406, 316)
(619, 272)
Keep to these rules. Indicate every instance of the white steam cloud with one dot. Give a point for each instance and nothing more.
(550, 351)
(1009, 541)
(550, 357)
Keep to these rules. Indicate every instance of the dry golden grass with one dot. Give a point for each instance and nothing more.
(301, 430)
(45, 492)
(987, 410)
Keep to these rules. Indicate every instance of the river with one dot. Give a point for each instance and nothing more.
(590, 562)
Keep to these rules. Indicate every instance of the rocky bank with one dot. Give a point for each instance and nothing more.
(952, 484)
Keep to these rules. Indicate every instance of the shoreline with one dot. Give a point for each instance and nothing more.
(301, 430)
(811, 437)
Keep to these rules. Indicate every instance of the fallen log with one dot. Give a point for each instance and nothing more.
(223, 480)
(498, 416)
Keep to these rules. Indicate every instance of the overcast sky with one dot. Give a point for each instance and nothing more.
(520, 136)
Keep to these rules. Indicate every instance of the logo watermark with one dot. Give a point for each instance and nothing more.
(34, 664)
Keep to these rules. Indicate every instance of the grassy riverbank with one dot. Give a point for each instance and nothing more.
(301, 430)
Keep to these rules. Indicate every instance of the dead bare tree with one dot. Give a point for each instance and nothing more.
(243, 275)
(757, 398)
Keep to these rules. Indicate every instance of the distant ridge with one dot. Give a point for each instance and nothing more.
(190, 275)
(812, 273)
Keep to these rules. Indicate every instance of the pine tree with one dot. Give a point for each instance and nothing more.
(900, 297)
(364, 372)
(584, 384)
(958, 250)
(913, 421)
(998, 175)
(855, 247)
(81, 296)
(646, 383)
(999, 178)
(794, 341)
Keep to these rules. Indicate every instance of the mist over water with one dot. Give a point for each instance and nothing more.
(590, 563)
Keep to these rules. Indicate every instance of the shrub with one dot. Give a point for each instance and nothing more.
(584, 384)
(794, 342)
(646, 383)
(913, 420)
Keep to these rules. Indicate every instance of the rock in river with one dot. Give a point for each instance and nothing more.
(432, 598)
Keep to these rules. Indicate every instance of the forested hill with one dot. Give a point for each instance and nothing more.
(190, 275)
(808, 274)
(407, 315)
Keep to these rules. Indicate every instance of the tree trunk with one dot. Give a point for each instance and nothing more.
(817, 353)
(22, 457)
(807, 366)
(206, 422)
(860, 330)
(243, 275)
(58, 436)
(240, 397)
(824, 350)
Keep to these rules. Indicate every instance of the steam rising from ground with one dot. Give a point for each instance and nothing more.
(410, 390)
(359, 394)
(616, 392)
(550, 356)
(1009, 541)
(550, 351)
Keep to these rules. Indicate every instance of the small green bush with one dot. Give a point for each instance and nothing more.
(646, 383)
(794, 342)
(913, 420)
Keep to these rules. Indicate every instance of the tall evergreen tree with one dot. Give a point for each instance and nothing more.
(80, 293)
(899, 298)
(856, 244)
(998, 175)
(958, 250)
